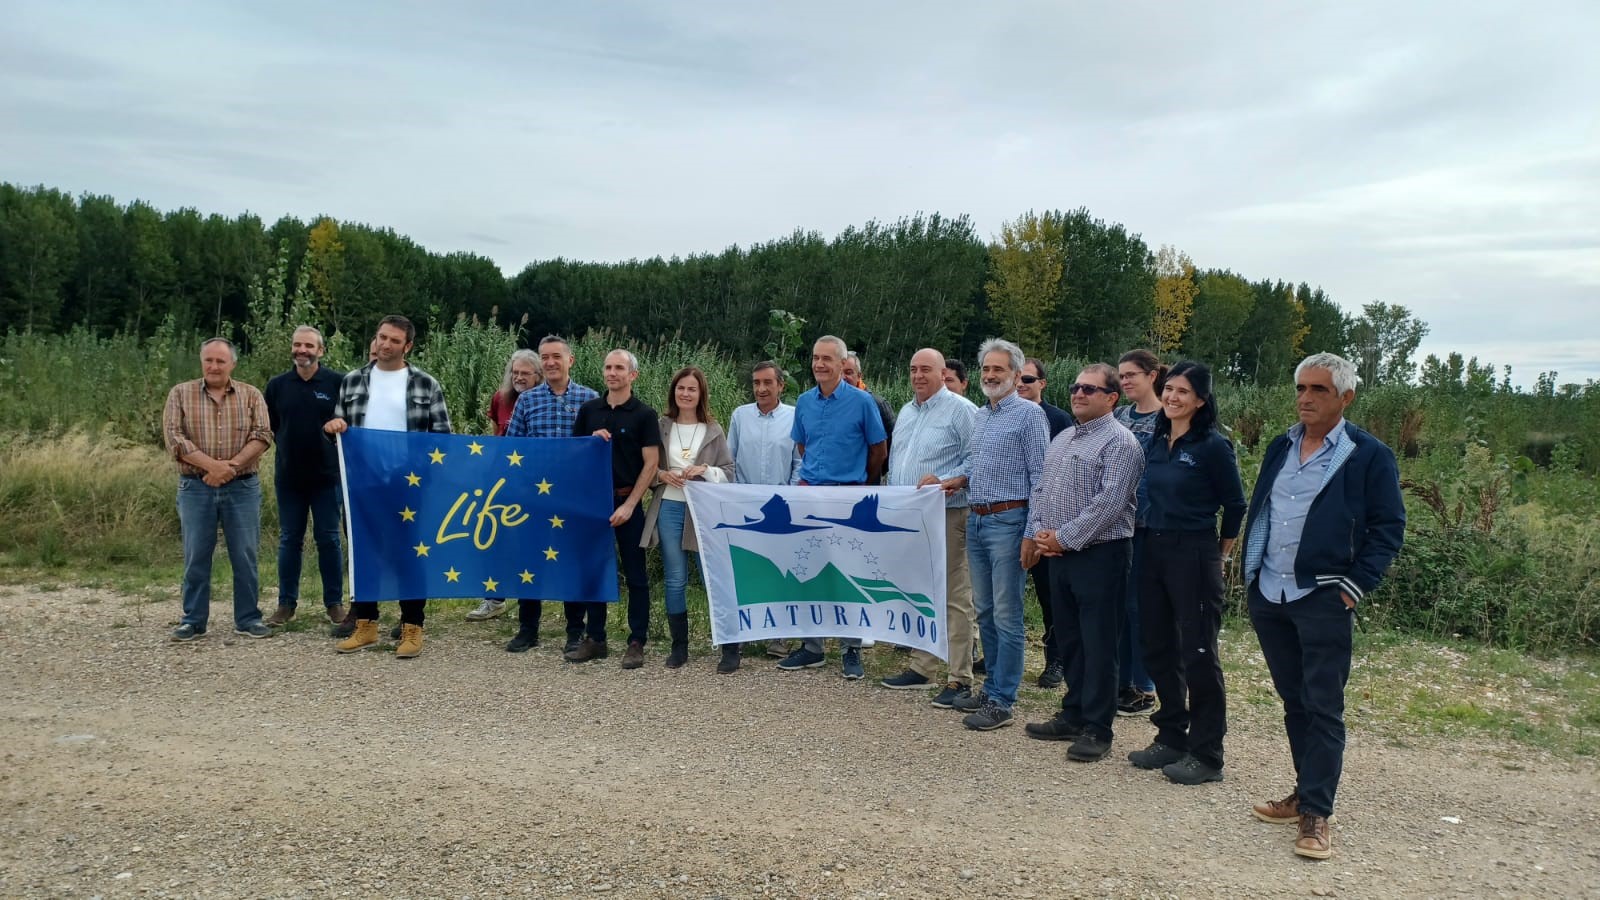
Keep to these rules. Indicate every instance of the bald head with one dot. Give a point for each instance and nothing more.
(927, 373)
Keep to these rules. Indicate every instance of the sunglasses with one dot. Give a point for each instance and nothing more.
(1029, 379)
(1081, 388)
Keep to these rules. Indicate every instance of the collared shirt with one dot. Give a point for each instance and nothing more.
(194, 420)
(1293, 491)
(298, 408)
(1086, 494)
(1006, 454)
(1188, 481)
(836, 431)
(541, 412)
(762, 447)
(633, 426)
(931, 437)
(425, 409)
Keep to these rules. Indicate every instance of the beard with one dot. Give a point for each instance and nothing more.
(996, 391)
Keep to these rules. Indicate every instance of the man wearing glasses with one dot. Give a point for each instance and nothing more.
(1082, 518)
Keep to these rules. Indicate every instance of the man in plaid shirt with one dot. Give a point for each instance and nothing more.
(392, 395)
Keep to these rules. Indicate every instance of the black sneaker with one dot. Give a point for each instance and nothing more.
(988, 717)
(1191, 770)
(185, 633)
(254, 630)
(1052, 676)
(1088, 748)
(1155, 756)
(1135, 703)
(954, 691)
(1054, 729)
(906, 681)
(524, 641)
(972, 702)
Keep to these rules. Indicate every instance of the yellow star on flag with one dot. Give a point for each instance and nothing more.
(514, 458)
(421, 548)
(408, 514)
(451, 574)
(412, 479)
(489, 584)
(549, 553)
(556, 521)
(437, 456)
(544, 486)
(527, 577)
(476, 448)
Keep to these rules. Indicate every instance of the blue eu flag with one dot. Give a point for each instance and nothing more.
(441, 515)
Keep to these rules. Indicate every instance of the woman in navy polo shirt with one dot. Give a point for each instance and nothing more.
(1190, 475)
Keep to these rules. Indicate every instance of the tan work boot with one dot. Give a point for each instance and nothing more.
(410, 641)
(365, 635)
(1279, 812)
(1315, 841)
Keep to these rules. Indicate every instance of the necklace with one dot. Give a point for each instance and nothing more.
(683, 447)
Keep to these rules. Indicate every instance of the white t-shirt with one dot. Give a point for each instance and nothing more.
(386, 404)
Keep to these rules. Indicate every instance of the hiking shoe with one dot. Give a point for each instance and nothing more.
(184, 633)
(801, 659)
(1191, 770)
(955, 690)
(988, 717)
(524, 641)
(1315, 842)
(1056, 728)
(1279, 812)
(1155, 756)
(488, 609)
(850, 663)
(281, 616)
(394, 633)
(253, 630)
(364, 634)
(1135, 702)
(588, 649)
(778, 649)
(1052, 676)
(972, 702)
(336, 613)
(1088, 748)
(633, 657)
(410, 641)
(906, 681)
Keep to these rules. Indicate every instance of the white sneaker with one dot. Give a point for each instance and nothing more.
(486, 610)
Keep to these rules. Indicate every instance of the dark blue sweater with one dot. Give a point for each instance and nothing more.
(1186, 484)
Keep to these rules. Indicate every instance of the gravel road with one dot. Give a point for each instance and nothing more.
(238, 768)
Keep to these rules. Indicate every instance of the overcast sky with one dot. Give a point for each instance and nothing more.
(1441, 156)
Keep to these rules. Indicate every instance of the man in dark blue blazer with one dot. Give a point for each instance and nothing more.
(1326, 520)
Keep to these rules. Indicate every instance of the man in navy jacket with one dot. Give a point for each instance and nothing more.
(1326, 520)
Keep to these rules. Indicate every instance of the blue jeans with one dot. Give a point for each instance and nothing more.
(994, 549)
(674, 559)
(237, 507)
(321, 506)
(1130, 638)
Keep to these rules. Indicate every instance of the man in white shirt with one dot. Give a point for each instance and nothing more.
(764, 452)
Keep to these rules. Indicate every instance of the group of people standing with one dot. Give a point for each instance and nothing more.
(1125, 514)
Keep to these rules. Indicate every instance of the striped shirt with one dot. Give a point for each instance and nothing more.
(194, 420)
(1086, 494)
(930, 438)
(541, 412)
(1006, 454)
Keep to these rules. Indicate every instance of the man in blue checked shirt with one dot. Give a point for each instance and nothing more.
(1004, 461)
(548, 411)
(930, 442)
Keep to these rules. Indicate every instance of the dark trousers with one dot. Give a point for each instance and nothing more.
(1041, 589)
(529, 612)
(1180, 607)
(1306, 643)
(634, 576)
(1087, 589)
(296, 507)
(412, 612)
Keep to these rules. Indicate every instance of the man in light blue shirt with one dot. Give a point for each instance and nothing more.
(930, 444)
(763, 450)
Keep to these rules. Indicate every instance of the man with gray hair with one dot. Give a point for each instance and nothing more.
(216, 429)
(300, 401)
(1003, 463)
(1326, 520)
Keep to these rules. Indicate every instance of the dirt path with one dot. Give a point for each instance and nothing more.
(134, 767)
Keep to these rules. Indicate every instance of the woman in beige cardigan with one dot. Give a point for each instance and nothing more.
(693, 448)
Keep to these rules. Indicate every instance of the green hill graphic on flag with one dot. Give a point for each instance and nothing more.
(759, 580)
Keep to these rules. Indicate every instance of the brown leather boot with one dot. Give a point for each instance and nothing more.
(346, 625)
(1279, 812)
(410, 641)
(365, 634)
(589, 649)
(634, 657)
(1315, 841)
(336, 613)
(280, 616)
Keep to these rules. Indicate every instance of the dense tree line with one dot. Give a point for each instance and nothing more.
(1067, 284)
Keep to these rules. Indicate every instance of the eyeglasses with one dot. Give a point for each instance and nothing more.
(1029, 379)
(1081, 388)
